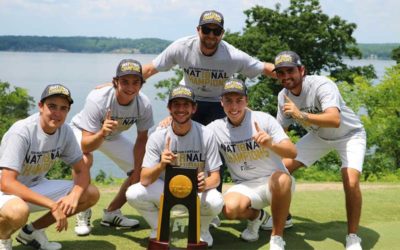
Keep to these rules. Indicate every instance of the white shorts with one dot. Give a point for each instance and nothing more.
(311, 148)
(119, 149)
(52, 189)
(257, 191)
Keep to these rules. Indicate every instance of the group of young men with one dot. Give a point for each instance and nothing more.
(209, 120)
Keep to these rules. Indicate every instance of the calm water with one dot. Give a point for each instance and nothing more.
(82, 72)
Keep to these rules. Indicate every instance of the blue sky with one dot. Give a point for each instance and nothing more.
(377, 21)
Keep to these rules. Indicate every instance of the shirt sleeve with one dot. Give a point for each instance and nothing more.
(275, 130)
(213, 159)
(92, 117)
(328, 95)
(14, 150)
(250, 66)
(166, 59)
(153, 153)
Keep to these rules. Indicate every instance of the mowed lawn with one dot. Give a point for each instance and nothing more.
(318, 213)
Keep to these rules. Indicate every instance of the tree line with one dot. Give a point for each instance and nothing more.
(82, 44)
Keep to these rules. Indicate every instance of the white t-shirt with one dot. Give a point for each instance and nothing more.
(245, 159)
(207, 74)
(27, 149)
(99, 101)
(319, 93)
(197, 149)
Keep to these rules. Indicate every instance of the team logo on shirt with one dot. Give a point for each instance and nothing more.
(39, 162)
(202, 77)
(244, 151)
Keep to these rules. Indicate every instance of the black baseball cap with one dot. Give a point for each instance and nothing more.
(56, 89)
(234, 86)
(287, 59)
(129, 67)
(182, 92)
(211, 16)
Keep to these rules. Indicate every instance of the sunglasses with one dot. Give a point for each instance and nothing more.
(216, 31)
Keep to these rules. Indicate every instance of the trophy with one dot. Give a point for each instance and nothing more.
(180, 188)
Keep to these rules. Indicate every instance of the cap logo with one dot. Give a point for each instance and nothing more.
(234, 85)
(58, 89)
(181, 91)
(129, 66)
(283, 59)
(212, 16)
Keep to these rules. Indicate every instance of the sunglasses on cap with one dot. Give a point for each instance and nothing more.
(216, 31)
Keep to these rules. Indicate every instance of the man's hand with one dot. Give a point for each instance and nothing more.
(290, 109)
(109, 125)
(68, 205)
(60, 217)
(165, 122)
(261, 137)
(167, 156)
(201, 182)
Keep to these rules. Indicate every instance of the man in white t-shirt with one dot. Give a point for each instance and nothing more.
(108, 112)
(315, 103)
(183, 143)
(253, 144)
(28, 151)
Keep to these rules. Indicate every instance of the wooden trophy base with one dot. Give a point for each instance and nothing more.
(163, 245)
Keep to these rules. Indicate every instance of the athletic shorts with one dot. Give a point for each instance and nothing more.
(52, 189)
(257, 191)
(119, 149)
(311, 148)
(207, 112)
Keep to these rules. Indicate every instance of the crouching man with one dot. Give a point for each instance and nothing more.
(28, 151)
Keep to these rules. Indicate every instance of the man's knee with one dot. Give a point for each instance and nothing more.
(280, 182)
(15, 213)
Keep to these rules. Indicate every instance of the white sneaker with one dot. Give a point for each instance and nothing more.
(216, 222)
(251, 232)
(116, 219)
(37, 239)
(268, 223)
(207, 237)
(353, 242)
(6, 244)
(276, 243)
(82, 227)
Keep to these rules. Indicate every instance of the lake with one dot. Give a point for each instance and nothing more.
(81, 72)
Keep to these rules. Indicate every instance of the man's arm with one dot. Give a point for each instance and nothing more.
(138, 154)
(92, 141)
(10, 185)
(330, 118)
(149, 70)
(212, 181)
(268, 70)
(81, 176)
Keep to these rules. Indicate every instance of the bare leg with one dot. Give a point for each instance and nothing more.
(120, 199)
(237, 207)
(13, 215)
(292, 165)
(280, 185)
(351, 185)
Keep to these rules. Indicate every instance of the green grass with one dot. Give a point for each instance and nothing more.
(318, 213)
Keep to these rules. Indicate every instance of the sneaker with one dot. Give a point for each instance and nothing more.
(6, 244)
(36, 239)
(268, 223)
(353, 242)
(116, 219)
(82, 227)
(276, 243)
(251, 232)
(206, 237)
(216, 222)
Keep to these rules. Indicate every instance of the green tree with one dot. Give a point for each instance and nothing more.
(14, 105)
(396, 54)
(380, 108)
